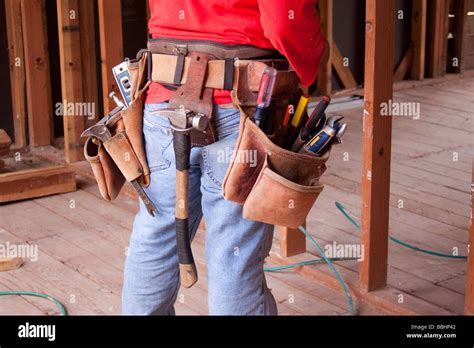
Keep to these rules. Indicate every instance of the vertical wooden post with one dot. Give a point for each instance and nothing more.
(111, 45)
(418, 37)
(71, 77)
(438, 38)
(89, 58)
(38, 81)
(17, 70)
(460, 33)
(378, 85)
(325, 72)
(469, 302)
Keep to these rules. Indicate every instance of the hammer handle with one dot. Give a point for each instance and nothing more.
(187, 268)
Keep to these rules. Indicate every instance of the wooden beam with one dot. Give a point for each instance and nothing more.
(111, 45)
(343, 72)
(402, 69)
(379, 43)
(460, 34)
(89, 58)
(469, 302)
(438, 38)
(38, 82)
(292, 241)
(17, 70)
(71, 77)
(325, 72)
(37, 182)
(5, 143)
(418, 38)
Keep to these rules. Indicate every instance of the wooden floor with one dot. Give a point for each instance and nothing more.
(81, 255)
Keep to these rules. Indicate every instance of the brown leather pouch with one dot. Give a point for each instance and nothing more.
(109, 178)
(133, 115)
(281, 188)
(122, 158)
(121, 152)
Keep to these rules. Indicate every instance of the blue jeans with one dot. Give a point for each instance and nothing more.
(235, 247)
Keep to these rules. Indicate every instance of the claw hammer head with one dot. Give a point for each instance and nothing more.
(182, 119)
(99, 131)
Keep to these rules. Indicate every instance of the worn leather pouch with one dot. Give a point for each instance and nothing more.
(121, 152)
(109, 178)
(280, 187)
(133, 115)
(278, 201)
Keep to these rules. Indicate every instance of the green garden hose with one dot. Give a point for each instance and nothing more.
(329, 261)
(343, 210)
(61, 307)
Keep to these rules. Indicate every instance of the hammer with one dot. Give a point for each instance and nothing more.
(182, 123)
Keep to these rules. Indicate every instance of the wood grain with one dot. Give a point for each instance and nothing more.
(38, 81)
(377, 139)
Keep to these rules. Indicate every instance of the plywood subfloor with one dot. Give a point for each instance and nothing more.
(81, 257)
(81, 253)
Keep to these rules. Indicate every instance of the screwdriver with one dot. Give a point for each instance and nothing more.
(314, 124)
(315, 118)
(293, 128)
(264, 97)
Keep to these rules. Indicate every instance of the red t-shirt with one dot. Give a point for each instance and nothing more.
(289, 26)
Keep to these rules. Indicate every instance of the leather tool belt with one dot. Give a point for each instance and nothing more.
(195, 68)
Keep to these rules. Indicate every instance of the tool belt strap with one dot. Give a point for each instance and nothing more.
(173, 70)
(169, 62)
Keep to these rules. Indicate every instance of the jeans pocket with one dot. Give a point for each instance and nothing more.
(217, 157)
(158, 137)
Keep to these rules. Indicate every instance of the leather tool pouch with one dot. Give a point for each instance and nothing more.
(122, 157)
(109, 178)
(283, 186)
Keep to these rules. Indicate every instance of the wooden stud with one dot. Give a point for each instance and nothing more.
(34, 183)
(418, 37)
(469, 304)
(38, 81)
(71, 77)
(5, 143)
(343, 72)
(460, 34)
(17, 70)
(325, 72)
(89, 58)
(402, 69)
(379, 42)
(292, 241)
(111, 46)
(438, 38)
